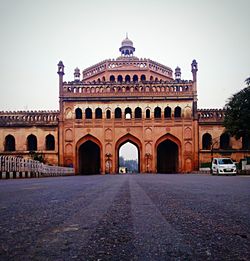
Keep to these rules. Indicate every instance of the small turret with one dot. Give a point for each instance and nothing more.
(77, 74)
(60, 72)
(127, 48)
(60, 68)
(177, 73)
(194, 69)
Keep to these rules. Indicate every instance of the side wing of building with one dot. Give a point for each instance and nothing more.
(25, 133)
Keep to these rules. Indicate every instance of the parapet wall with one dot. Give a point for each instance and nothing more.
(211, 115)
(12, 118)
(173, 89)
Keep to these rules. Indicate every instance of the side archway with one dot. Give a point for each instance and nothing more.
(168, 154)
(89, 156)
(135, 141)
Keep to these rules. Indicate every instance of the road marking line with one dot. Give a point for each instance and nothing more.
(155, 237)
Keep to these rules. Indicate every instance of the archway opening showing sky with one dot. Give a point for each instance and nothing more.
(128, 158)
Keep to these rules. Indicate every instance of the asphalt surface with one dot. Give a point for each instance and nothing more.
(125, 217)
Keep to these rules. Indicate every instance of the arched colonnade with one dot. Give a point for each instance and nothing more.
(93, 158)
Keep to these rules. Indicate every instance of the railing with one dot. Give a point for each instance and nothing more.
(245, 167)
(16, 167)
(177, 89)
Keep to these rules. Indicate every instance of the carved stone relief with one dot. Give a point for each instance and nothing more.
(148, 134)
(108, 134)
(68, 135)
(68, 149)
(188, 133)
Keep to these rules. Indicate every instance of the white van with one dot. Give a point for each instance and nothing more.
(224, 166)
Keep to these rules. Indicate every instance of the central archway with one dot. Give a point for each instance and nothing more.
(133, 140)
(128, 158)
(89, 156)
(167, 151)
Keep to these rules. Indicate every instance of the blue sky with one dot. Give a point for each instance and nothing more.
(35, 35)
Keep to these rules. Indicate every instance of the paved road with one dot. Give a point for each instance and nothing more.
(125, 217)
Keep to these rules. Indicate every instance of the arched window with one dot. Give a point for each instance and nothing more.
(135, 78)
(167, 112)
(112, 78)
(143, 77)
(50, 142)
(147, 113)
(103, 79)
(151, 78)
(157, 112)
(127, 78)
(31, 143)
(118, 113)
(119, 78)
(78, 113)
(246, 142)
(10, 143)
(128, 113)
(206, 141)
(177, 112)
(156, 79)
(88, 113)
(108, 114)
(138, 113)
(225, 141)
(98, 113)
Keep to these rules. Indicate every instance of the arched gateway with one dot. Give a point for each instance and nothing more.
(89, 156)
(167, 151)
(128, 99)
(167, 157)
(135, 141)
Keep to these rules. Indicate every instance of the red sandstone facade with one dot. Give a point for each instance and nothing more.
(121, 100)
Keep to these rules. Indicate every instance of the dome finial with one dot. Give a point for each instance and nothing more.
(127, 48)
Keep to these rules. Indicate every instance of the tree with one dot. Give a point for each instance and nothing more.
(237, 116)
(36, 156)
(121, 161)
(247, 81)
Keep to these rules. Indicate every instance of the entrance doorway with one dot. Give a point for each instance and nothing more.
(167, 157)
(128, 155)
(89, 158)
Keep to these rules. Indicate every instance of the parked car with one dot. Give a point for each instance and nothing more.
(223, 166)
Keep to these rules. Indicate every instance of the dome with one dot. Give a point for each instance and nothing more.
(127, 42)
(127, 48)
(77, 70)
(177, 69)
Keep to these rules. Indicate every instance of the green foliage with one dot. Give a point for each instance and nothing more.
(121, 161)
(36, 156)
(205, 165)
(247, 81)
(237, 116)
